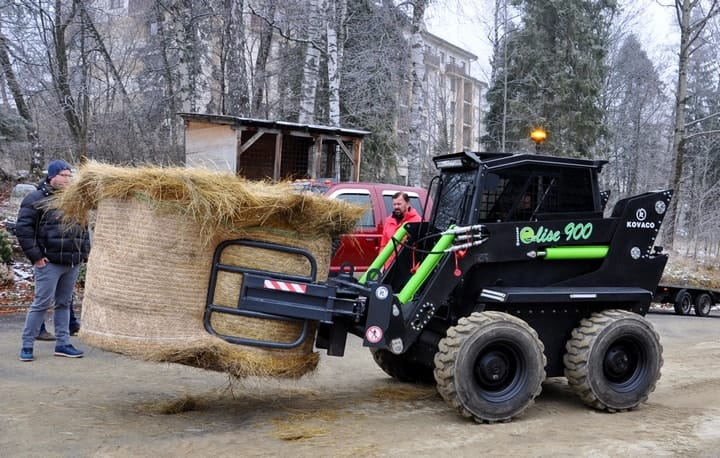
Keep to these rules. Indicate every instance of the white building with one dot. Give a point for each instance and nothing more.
(454, 102)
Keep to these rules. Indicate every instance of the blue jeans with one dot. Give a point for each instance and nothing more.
(74, 323)
(52, 282)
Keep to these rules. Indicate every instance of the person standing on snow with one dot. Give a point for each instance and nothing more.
(56, 251)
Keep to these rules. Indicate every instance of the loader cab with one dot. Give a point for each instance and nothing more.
(486, 188)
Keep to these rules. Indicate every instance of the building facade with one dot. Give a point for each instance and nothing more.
(454, 103)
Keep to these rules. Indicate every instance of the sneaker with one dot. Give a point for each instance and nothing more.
(68, 351)
(74, 331)
(26, 354)
(45, 336)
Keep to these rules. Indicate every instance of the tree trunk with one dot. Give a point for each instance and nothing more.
(260, 74)
(237, 97)
(689, 32)
(37, 156)
(170, 90)
(417, 103)
(60, 71)
(100, 43)
(311, 67)
(678, 144)
(335, 39)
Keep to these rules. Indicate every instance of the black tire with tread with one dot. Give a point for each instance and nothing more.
(596, 347)
(683, 302)
(703, 303)
(402, 369)
(466, 351)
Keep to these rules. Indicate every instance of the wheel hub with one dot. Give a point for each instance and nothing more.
(620, 363)
(493, 369)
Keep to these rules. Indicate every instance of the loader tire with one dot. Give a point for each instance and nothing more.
(703, 303)
(683, 302)
(490, 366)
(402, 369)
(613, 360)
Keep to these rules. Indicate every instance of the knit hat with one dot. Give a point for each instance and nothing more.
(55, 167)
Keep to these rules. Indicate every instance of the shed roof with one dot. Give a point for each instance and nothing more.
(268, 124)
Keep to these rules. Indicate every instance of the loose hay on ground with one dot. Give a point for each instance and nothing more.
(406, 392)
(302, 425)
(170, 406)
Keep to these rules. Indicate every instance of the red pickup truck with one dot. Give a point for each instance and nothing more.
(362, 246)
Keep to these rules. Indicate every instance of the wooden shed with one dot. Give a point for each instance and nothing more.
(262, 149)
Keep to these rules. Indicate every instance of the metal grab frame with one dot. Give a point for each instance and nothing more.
(211, 307)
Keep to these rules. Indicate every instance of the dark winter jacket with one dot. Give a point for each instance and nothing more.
(42, 233)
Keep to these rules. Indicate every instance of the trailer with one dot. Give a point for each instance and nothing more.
(685, 298)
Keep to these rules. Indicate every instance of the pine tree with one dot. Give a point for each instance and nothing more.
(555, 68)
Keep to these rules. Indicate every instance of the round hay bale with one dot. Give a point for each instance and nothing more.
(146, 288)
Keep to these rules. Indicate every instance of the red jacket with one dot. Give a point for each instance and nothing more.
(392, 225)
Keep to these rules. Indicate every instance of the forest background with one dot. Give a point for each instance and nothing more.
(104, 79)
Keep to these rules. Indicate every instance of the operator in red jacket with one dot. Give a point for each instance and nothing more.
(402, 213)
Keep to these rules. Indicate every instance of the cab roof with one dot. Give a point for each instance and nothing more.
(493, 161)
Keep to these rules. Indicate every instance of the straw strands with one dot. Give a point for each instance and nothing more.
(220, 203)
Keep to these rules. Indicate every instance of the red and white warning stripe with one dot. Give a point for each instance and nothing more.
(286, 286)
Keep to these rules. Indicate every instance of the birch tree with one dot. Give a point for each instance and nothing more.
(261, 60)
(691, 29)
(235, 64)
(337, 9)
(311, 67)
(417, 98)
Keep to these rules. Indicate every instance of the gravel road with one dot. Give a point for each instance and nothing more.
(107, 405)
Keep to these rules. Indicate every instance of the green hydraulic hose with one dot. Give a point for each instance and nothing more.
(386, 252)
(425, 269)
(576, 252)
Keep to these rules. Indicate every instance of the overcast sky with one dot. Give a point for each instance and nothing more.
(465, 24)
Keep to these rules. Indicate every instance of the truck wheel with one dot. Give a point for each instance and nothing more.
(490, 366)
(683, 302)
(613, 360)
(402, 369)
(703, 303)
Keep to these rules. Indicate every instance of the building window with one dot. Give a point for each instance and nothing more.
(442, 57)
(117, 4)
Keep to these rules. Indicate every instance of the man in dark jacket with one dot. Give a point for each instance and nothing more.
(56, 251)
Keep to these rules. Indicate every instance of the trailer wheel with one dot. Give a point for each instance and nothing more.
(683, 302)
(703, 303)
(613, 360)
(490, 366)
(402, 369)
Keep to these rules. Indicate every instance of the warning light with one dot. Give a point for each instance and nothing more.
(538, 135)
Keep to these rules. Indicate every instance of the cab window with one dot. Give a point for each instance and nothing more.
(362, 200)
(414, 203)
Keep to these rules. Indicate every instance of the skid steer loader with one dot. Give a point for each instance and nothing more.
(517, 276)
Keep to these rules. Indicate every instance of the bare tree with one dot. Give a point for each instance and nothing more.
(417, 102)
(37, 155)
(311, 68)
(690, 31)
(261, 59)
(337, 10)
(237, 101)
